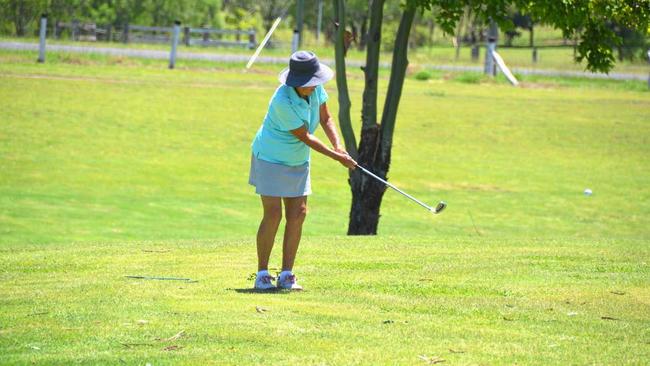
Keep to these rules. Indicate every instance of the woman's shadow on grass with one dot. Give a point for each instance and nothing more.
(249, 290)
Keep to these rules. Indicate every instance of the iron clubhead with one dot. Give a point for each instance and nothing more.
(439, 207)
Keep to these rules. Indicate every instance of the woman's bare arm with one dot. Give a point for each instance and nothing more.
(327, 122)
(313, 142)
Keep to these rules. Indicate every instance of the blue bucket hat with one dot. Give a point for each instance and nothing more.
(305, 70)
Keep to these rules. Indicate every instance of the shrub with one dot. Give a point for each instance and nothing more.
(423, 75)
(470, 78)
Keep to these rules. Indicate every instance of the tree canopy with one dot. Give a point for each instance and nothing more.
(601, 26)
(23, 13)
(588, 20)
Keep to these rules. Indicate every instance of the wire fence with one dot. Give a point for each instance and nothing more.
(192, 36)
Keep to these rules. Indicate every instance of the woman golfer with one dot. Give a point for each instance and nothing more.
(280, 162)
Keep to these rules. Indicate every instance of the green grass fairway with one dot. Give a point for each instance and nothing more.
(115, 167)
(372, 301)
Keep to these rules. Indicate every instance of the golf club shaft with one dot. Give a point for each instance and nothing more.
(266, 39)
(395, 188)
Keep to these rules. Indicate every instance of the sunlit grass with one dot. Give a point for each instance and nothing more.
(115, 167)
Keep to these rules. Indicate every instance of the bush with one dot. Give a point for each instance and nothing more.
(470, 78)
(423, 75)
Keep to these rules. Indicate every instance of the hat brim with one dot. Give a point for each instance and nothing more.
(323, 75)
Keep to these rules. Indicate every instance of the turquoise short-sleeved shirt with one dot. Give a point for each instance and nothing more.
(287, 111)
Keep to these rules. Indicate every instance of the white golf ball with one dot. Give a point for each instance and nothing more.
(588, 192)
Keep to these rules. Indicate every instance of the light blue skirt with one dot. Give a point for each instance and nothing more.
(278, 180)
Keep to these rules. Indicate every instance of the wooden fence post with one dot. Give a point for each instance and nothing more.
(534, 55)
(187, 36)
(175, 34)
(206, 39)
(125, 33)
(75, 30)
(251, 39)
(109, 33)
(41, 48)
(475, 52)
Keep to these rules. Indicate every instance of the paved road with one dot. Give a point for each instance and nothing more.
(154, 54)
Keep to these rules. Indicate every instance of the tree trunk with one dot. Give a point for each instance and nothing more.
(269, 17)
(366, 191)
(459, 31)
(376, 141)
(371, 70)
(394, 93)
(363, 39)
(341, 82)
(19, 12)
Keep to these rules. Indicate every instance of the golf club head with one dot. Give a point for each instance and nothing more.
(439, 207)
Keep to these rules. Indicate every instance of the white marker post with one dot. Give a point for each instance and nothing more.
(41, 47)
(176, 32)
(266, 39)
(504, 69)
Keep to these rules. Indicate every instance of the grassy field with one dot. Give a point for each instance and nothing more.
(115, 167)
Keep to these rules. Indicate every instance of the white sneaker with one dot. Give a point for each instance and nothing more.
(288, 281)
(264, 282)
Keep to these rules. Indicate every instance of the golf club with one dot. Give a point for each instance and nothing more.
(263, 43)
(277, 21)
(435, 210)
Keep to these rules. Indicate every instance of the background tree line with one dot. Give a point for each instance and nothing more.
(20, 18)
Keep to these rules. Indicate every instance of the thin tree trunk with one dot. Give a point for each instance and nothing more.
(459, 31)
(397, 75)
(371, 70)
(19, 18)
(270, 16)
(341, 82)
(363, 38)
(468, 24)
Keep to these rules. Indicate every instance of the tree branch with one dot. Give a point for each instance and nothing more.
(398, 72)
(371, 70)
(342, 83)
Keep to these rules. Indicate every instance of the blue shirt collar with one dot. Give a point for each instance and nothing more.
(293, 94)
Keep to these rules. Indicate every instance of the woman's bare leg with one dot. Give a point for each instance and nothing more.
(295, 213)
(268, 229)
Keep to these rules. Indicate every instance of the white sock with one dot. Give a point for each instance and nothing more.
(262, 273)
